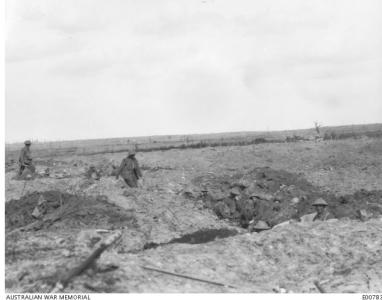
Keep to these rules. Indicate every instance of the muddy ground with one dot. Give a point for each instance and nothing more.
(165, 228)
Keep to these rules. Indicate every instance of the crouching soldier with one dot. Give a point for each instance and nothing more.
(221, 209)
(93, 173)
(25, 159)
(247, 211)
(130, 170)
(207, 198)
(232, 201)
(322, 213)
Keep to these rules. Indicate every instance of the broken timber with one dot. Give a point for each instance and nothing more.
(319, 287)
(111, 239)
(190, 277)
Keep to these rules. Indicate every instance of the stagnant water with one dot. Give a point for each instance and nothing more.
(199, 237)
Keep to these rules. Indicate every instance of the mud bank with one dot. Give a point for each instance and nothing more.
(281, 195)
(67, 210)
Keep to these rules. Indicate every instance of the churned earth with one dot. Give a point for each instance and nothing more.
(166, 229)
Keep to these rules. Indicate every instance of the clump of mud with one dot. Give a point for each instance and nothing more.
(281, 196)
(64, 209)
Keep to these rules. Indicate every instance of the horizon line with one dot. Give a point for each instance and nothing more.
(187, 134)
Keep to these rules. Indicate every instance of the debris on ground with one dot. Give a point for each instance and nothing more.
(88, 262)
(171, 224)
(66, 209)
(93, 173)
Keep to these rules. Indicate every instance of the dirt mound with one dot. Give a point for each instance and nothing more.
(66, 209)
(279, 195)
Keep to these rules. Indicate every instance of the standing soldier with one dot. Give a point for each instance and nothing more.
(129, 170)
(25, 158)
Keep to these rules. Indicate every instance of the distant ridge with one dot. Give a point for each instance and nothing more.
(357, 127)
(168, 142)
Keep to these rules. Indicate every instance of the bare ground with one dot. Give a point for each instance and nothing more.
(346, 253)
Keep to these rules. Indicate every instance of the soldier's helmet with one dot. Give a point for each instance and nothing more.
(261, 225)
(254, 195)
(320, 201)
(28, 142)
(131, 152)
(235, 191)
(188, 191)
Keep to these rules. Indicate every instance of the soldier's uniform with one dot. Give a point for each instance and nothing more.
(231, 203)
(208, 200)
(222, 210)
(25, 158)
(324, 216)
(247, 212)
(130, 170)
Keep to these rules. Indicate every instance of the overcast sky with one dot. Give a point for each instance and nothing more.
(115, 68)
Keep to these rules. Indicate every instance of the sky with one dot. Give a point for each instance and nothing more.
(79, 69)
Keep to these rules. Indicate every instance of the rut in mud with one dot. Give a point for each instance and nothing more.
(199, 237)
(281, 196)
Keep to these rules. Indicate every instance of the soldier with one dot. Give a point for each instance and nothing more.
(93, 173)
(208, 200)
(221, 209)
(232, 202)
(322, 214)
(129, 170)
(204, 192)
(247, 211)
(25, 158)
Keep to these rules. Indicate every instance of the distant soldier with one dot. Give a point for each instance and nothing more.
(232, 202)
(93, 173)
(247, 211)
(322, 213)
(207, 198)
(25, 159)
(129, 170)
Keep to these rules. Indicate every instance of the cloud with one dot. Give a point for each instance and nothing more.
(162, 67)
(78, 67)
